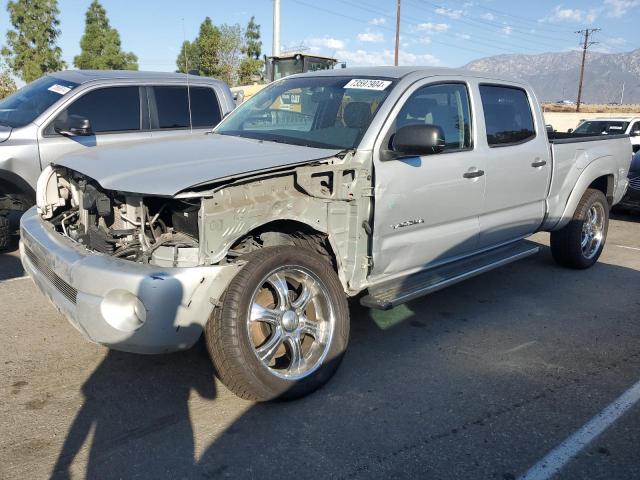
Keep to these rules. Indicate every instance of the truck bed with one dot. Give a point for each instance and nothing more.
(578, 159)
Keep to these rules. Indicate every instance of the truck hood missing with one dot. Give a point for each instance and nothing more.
(168, 166)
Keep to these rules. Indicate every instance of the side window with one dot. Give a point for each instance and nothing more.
(172, 105)
(205, 110)
(507, 115)
(635, 128)
(114, 109)
(444, 105)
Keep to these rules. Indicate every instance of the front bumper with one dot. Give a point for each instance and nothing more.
(100, 294)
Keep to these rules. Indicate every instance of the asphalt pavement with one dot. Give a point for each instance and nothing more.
(480, 380)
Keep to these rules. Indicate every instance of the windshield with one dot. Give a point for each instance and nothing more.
(602, 127)
(322, 112)
(26, 104)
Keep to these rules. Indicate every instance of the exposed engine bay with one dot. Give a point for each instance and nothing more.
(154, 230)
(218, 223)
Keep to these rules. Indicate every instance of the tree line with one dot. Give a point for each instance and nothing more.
(227, 52)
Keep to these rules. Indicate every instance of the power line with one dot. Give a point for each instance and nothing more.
(417, 27)
(488, 41)
(586, 44)
(359, 20)
(524, 20)
(515, 31)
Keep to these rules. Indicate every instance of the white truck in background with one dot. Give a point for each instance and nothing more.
(612, 126)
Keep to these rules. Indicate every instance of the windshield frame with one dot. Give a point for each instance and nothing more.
(37, 87)
(293, 140)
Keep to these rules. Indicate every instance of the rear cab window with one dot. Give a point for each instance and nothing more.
(170, 110)
(507, 115)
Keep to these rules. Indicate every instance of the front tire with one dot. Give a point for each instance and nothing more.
(5, 233)
(282, 326)
(580, 243)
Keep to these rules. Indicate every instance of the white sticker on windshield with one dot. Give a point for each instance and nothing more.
(61, 89)
(368, 84)
(615, 127)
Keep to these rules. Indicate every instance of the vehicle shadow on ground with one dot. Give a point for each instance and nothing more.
(10, 265)
(135, 410)
(625, 216)
(379, 406)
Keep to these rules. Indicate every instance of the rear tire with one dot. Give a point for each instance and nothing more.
(282, 326)
(580, 243)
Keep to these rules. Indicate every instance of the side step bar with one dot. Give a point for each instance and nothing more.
(395, 292)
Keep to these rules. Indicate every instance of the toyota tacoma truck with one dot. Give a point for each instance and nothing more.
(75, 110)
(380, 183)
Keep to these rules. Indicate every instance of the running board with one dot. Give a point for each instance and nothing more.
(395, 292)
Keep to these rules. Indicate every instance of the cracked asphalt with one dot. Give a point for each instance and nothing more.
(480, 380)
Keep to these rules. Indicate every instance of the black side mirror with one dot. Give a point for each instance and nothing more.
(570, 130)
(418, 140)
(73, 126)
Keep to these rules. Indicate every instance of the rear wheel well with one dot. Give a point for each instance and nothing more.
(605, 185)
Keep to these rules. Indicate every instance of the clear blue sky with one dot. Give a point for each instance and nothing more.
(361, 32)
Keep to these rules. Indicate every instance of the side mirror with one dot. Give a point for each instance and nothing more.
(570, 130)
(73, 126)
(418, 140)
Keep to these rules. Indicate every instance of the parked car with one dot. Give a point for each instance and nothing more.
(612, 126)
(388, 182)
(631, 201)
(76, 110)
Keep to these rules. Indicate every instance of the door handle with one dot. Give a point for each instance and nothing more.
(474, 174)
(539, 163)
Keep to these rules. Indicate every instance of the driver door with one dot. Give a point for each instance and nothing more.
(427, 207)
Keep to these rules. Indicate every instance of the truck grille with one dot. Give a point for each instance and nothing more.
(635, 183)
(63, 287)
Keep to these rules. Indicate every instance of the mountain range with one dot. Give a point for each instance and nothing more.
(554, 76)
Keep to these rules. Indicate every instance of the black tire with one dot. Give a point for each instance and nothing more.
(5, 233)
(566, 243)
(20, 203)
(227, 332)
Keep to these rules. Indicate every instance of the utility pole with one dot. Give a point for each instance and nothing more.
(585, 45)
(622, 94)
(275, 49)
(395, 57)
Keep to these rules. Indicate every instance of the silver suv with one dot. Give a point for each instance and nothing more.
(73, 110)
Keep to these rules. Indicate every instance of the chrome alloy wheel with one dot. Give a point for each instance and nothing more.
(291, 322)
(593, 231)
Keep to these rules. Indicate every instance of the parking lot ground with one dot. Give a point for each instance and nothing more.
(480, 380)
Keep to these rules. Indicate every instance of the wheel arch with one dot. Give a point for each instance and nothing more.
(596, 175)
(296, 229)
(13, 183)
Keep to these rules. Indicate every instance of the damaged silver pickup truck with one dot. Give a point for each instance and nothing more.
(388, 183)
